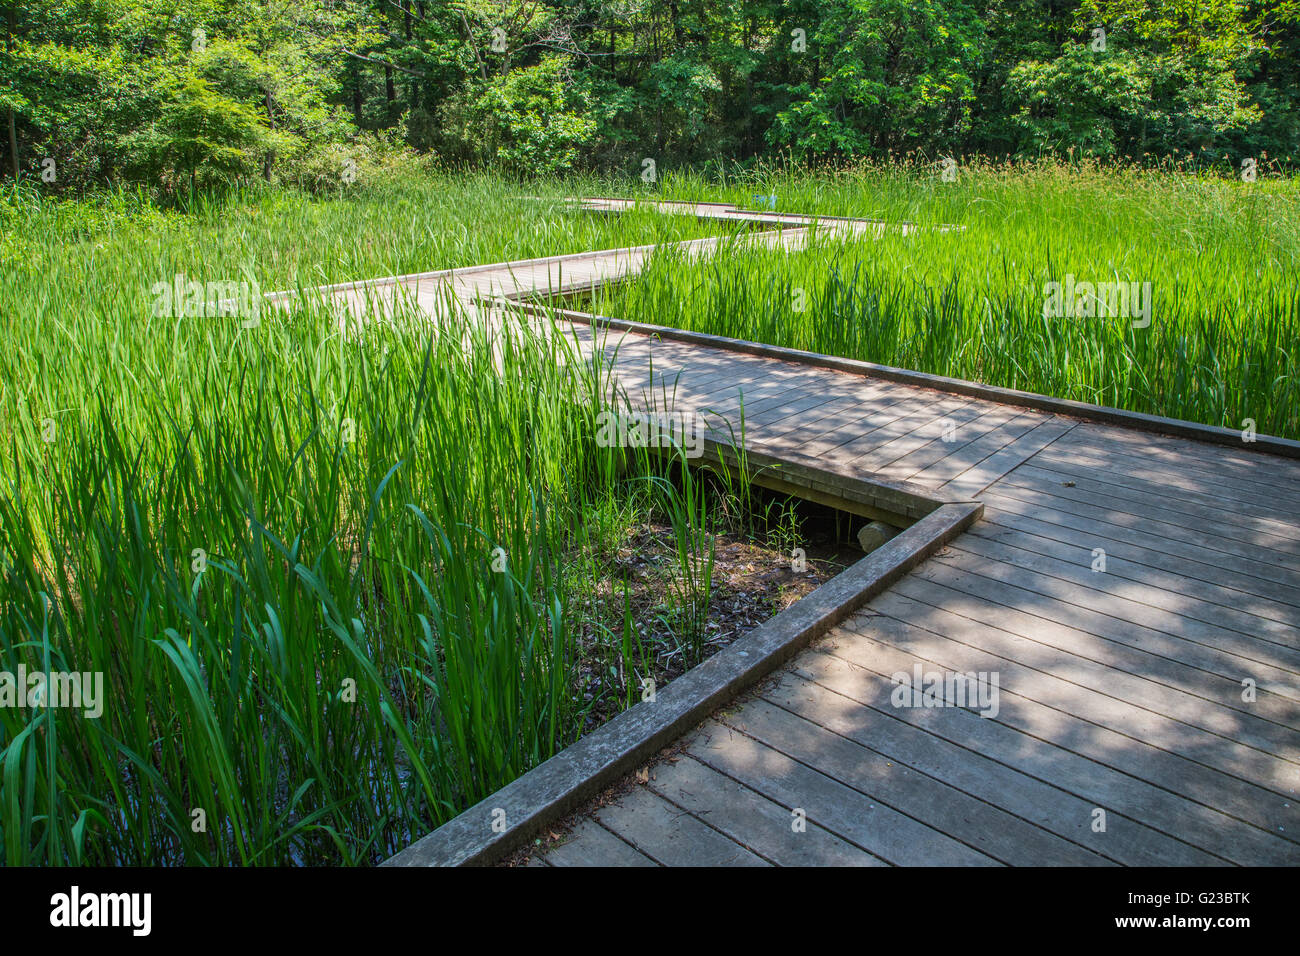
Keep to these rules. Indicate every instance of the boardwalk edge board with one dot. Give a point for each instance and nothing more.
(730, 212)
(1138, 421)
(378, 282)
(898, 502)
(510, 817)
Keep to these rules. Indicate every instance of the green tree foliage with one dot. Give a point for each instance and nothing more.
(896, 75)
(186, 95)
(1154, 76)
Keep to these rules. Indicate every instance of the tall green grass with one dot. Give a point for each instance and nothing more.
(322, 570)
(331, 614)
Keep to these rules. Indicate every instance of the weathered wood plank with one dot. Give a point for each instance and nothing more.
(915, 462)
(887, 454)
(751, 819)
(1216, 466)
(844, 810)
(1118, 494)
(921, 416)
(590, 844)
(1157, 686)
(1132, 720)
(1106, 615)
(1225, 792)
(1175, 509)
(854, 435)
(973, 452)
(1275, 579)
(1141, 476)
(933, 799)
(1092, 764)
(972, 481)
(980, 774)
(670, 835)
(1170, 592)
(1239, 589)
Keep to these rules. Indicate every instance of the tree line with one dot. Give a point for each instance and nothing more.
(183, 95)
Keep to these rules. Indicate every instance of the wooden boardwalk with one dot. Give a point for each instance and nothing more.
(364, 300)
(1120, 690)
(1137, 598)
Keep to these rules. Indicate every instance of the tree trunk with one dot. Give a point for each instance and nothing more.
(356, 95)
(12, 21)
(269, 159)
(676, 17)
(13, 144)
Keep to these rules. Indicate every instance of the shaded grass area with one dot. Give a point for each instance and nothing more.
(765, 552)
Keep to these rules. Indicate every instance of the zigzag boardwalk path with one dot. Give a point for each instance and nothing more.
(1121, 698)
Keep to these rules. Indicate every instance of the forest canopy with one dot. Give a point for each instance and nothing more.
(184, 95)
